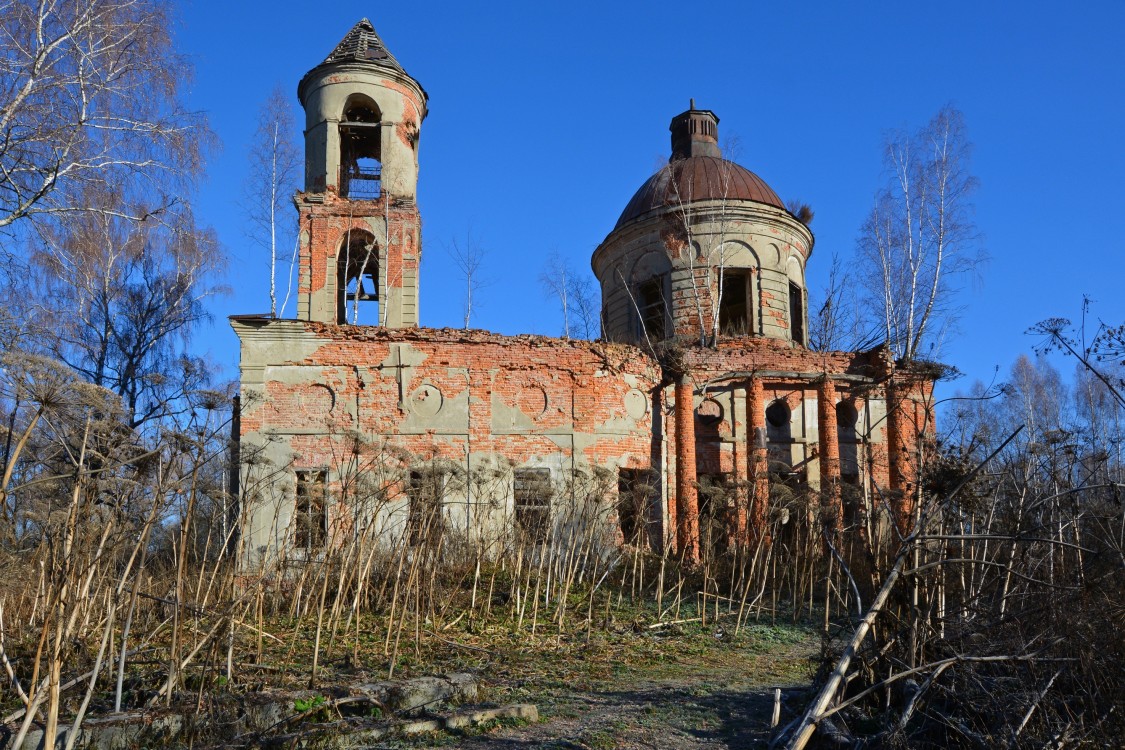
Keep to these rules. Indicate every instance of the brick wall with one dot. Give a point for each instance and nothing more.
(472, 398)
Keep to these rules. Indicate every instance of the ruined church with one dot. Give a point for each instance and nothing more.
(352, 414)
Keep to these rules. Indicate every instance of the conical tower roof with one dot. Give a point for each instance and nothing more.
(363, 44)
(360, 46)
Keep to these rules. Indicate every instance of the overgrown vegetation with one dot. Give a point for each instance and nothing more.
(123, 589)
(998, 623)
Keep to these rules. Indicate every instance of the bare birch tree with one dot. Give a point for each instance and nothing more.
(555, 279)
(920, 233)
(122, 301)
(89, 93)
(275, 163)
(575, 295)
(838, 324)
(469, 258)
(584, 306)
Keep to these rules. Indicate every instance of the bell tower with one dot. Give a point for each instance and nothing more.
(360, 230)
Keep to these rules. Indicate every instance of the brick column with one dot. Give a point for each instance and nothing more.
(687, 498)
(740, 451)
(667, 500)
(759, 460)
(829, 451)
(901, 436)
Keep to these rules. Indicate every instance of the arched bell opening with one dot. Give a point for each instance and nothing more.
(357, 280)
(361, 150)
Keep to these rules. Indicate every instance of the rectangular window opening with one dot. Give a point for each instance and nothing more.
(717, 503)
(532, 504)
(650, 300)
(797, 313)
(635, 488)
(734, 304)
(310, 517)
(425, 520)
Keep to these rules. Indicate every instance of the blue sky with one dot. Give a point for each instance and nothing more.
(546, 117)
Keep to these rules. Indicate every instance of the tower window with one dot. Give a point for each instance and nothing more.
(532, 494)
(357, 278)
(361, 166)
(734, 304)
(310, 519)
(797, 313)
(650, 301)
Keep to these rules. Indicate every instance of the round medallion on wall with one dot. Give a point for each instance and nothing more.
(636, 404)
(710, 412)
(426, 400)
(317, 399)
(532, 401)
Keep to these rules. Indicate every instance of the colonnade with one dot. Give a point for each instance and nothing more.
(750, 519)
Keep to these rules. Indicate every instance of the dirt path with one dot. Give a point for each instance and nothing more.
(726, 714)
(690, 690)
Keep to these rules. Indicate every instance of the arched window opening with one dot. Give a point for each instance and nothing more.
(735, 309)
(779, 434)
(846, 418)
(361, 158)
(357, 279)
(797, 313)
(778, 421)
(851, 495)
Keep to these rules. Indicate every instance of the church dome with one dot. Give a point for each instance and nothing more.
(746, 276)
(698, 178)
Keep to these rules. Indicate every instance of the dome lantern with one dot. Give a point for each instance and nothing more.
(695, 133)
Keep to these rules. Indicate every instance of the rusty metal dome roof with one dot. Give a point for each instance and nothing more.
(698, 178)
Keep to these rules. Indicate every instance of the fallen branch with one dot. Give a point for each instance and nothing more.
(1034, 704)
(819, 707)
(458, 645)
